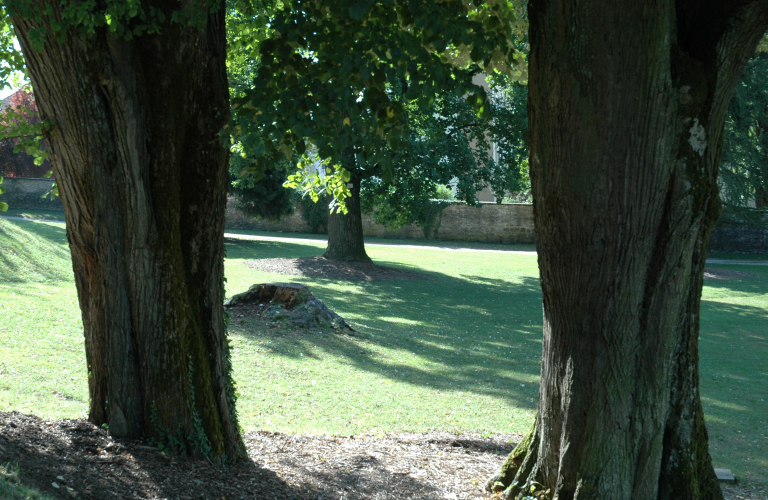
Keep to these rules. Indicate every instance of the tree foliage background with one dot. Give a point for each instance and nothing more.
(450, 145)
(18, 116)
(400, 100)
(744, 169)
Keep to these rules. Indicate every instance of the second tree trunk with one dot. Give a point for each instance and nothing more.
(627, 105)
(345, 231)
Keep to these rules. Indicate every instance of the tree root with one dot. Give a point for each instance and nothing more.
(525, 475)
(503, 480)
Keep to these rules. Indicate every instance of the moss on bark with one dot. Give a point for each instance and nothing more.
(506, 475)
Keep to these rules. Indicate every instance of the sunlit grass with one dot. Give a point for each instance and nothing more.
(440, 353)
(458, 351)
(734, 372)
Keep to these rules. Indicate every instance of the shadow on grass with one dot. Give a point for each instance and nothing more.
(249, 249)
(746, 317)
(28, 250)
(733, 349)
(757, 284)
(467, 333)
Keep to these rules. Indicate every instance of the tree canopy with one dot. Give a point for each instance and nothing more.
(341, 74)
(450, 144)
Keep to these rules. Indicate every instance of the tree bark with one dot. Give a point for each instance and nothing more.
(627, 106)
(345, 231)
(143, 178)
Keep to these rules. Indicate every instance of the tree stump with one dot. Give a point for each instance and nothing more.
(291, 303)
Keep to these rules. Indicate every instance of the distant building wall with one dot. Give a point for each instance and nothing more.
(491, 223)
(26, 193)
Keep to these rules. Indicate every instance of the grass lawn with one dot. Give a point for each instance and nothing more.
(460, 350)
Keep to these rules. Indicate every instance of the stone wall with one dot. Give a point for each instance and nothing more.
(27, 193)
(738, 238)
(491, 223)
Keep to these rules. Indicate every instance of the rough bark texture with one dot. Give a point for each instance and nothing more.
(627, 105)
(345, 231)
(143, 180)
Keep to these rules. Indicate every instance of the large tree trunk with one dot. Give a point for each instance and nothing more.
(345, 231)
(143, 178)
(627, 105)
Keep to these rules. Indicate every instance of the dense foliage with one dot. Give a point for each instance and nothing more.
(397, 96)
(265, 198)
(342, 74)
(744, 169)
(11, 71)
(451, 145)
(314, 213)
(256, 196)
(20, 128)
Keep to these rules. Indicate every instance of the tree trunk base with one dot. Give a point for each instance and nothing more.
(515, 476)
(348, 258)
(521, 475)
(503, 480)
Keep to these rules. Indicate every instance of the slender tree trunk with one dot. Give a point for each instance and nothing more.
(761, 197)
(627, 105)
(143, 180)
(345, 231)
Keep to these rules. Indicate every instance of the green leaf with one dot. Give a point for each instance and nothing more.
(360, 9)
(3, 206)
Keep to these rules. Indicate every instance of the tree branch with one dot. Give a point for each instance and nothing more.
(8, 138)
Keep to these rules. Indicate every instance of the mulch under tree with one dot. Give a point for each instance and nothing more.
(714, 273)
(85, 462)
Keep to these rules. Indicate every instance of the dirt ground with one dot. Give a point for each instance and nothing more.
(70, 459)
(84, 462)
(713, 273)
